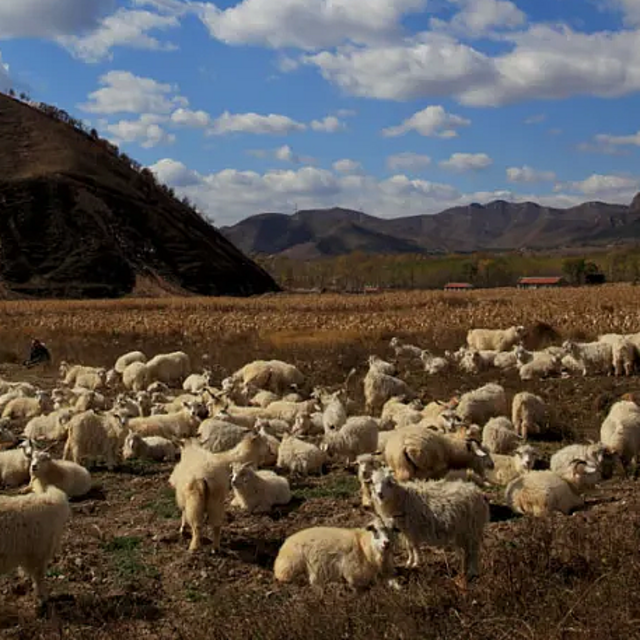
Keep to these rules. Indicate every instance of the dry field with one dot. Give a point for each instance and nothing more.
(124, 573)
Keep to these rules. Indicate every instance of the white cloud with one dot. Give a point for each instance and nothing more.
(536, 119)
(48, 18)
(189, 118)
(526, 174)
(616, 141)
(125, 28)
(346, 113)
(238, 194)
(408, 160)
(307, 24)
(174, 7)
(124, 92)
(629, 8)
(146, 130)
(432, 121)
(467, 162)
(273, 124)
(598, 186)
(481, 17)
(328, 124)
(346, 165)
(5, 79)
(283, 153)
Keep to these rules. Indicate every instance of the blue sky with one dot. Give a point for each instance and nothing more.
(395, 107)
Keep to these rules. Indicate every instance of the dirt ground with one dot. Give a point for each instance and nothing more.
(124, 572)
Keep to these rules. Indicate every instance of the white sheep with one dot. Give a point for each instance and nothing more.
(92, 380)
(136, 376)
(299, 456)
(170, 368)
(594, 357)
(31, 527)
(201, 484)
(152, 448)
(14, 465)
(396, 413)
(288, 411)
(367, 464)
(433, 365)
(258, 491)
(129, 358)
(70, 373)
(263, 398)
(402, 350)
(271, 375)
(529, 414)
(69, 477)
(388, 368)
(196, 382)
(52, 426)
(499, 436)
(321, 555)
(620, 433)
(505, 360)
(477, 406)
(623, 352)
(218, 435)
(334, 414)
(495, 339)
(419, 452)
(25, 408)
(380, 387)
(507, 468)
(540, 493)
(435, 513)
(87, 399)
(596, 453)
(91, 437)
(538, 364)
(358, 435)
(181, 424)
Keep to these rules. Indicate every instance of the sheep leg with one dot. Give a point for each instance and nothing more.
(183, 523)
(194, 514)
(470, 561)
(217, 532)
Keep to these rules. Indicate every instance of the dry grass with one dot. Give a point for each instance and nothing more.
(126, 574)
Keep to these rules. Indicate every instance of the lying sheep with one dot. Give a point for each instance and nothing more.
(52, 426)
(620, 433)
(181, 424)
(69, 477)
(289, 411)
(263, 399)
(499, 436)
(408, 351)
(438, 514)
(596, 453)
(396, 413)
(479, 405)
(201, 484)
(299, 456)
(418, 452)
(358, 435)
(508, 468)
(271, 375)
(32, 526)
(594, 357)
(14, 465)
(196, 382)
(433, 365)
(170, 368)
(92, 380)
(540, 493)
(529, 414)
(258, 491)
(321, 555)
(505, 360)
(69, 373)
(495, 339)
(25, 408)
(218, 435)
(87, 399)
(151, 448)
(539, 364)
(379, 387)
(129, 358)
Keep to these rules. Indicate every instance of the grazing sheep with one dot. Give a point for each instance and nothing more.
(31, 527)
(91, 437)
(594, 357)
(170, 368)
(367, 464)
(433, 365)
(201, 484)
(53, 426)
(270, 375)
(529, 414)
(181, 424)
(540, 493)
(321, 555)
(129, 358)
(258, 491)
(620, 433)
(136, 376)
(196, 382)
(377, 363)
(477, 406)
(495, 339)
(14, 465)
(152, 448)
(507, 468)
(499, 436)
(596, 453)
(419, 452)
(380, 387)
(358, 435)
(436, 513)
(69, 477)
(299, 456)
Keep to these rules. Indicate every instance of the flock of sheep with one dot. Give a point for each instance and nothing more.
(423, 469)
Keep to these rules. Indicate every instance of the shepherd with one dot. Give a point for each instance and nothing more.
(38, 354)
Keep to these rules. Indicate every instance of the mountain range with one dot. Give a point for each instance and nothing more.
(496, 226)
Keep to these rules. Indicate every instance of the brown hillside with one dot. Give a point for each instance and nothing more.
(77, 219)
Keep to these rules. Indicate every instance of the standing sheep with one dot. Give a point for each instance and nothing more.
(594, 357)
(129, 358)
(170, 368)
(321, 555)
(529, 414)
(439, 514)
(14, 464)
(495, 339)
(358, 435)
(477, 406)
(620, 433)
(196, 382)
(380, 387)
(135, 377)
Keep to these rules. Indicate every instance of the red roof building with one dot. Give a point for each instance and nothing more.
(535, 282)
(458, 286)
